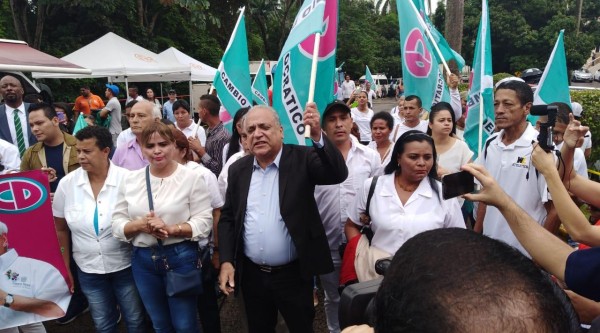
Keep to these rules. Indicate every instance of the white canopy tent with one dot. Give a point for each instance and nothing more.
(112, 56)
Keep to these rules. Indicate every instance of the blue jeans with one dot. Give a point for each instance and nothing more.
(168, 314)
(104, 292)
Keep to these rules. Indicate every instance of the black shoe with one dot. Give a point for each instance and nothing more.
(71, 315)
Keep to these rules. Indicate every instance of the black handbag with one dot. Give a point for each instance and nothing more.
(178, 284)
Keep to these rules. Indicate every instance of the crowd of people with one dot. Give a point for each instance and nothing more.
(144, 194)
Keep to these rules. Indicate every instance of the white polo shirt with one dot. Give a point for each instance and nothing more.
(422, 126)
(333, 201)
(30, 278)
(394, 223)
(194, 130)
(512, 168)
(74, 201)
(9, 157)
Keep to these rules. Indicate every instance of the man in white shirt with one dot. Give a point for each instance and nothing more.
(333, 200)
(412, 110)
(507, 156)
(9, 157)
(347, 88)
(31, 290)
(132, 93)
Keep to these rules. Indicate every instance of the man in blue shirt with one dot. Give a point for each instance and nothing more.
(271, 238)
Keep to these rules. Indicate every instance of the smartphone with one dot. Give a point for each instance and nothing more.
(456, 184)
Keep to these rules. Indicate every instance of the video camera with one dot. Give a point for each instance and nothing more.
(356, 301)
(545, 137)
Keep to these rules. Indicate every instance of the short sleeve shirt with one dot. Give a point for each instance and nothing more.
(114, 107)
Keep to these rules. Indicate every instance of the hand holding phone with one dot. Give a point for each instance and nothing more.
(457, 184)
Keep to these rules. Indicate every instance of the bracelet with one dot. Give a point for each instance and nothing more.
(180, 230)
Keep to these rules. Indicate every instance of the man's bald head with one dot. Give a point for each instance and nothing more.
(11, 90)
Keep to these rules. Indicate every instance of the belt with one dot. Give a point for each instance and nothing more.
(273, 269)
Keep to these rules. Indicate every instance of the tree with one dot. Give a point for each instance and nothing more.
(454, 26)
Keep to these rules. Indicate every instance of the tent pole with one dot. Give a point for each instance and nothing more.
(162, 100)
(192, 98)
(126, 88)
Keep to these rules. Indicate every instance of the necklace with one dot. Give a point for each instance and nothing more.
(409, 189)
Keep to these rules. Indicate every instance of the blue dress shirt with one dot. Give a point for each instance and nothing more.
(266, 237)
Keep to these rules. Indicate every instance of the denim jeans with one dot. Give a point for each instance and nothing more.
(104, 292)
(168, 314)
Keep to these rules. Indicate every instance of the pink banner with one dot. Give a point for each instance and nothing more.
(31, 264)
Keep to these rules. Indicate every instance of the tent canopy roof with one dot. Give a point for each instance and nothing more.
(18, 56)
(112, 56)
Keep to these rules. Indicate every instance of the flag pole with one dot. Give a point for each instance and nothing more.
(313, 78)
(428, 33)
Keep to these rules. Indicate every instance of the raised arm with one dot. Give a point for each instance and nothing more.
(547, 250)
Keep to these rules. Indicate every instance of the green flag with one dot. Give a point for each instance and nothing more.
(554, 84)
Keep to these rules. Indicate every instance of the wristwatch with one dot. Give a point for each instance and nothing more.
(8, 300)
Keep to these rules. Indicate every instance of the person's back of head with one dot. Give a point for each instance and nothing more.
(211, 103)
(455, 280)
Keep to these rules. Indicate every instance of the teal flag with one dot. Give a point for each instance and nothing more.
(554, 84)
(369, 78)
(232, 79)
(447, 52)
(260, 93)
(292, 76)
(480, 105)
(421, 73)
(80, 124)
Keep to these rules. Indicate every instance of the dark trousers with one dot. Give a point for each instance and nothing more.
(208, 308)
(283, 290)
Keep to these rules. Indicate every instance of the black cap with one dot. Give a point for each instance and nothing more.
(172, 91)
(335, 106)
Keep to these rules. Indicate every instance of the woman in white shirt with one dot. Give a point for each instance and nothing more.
(235, 142)
(157, 109)
(381, 126)
(182, 215)
(83, 205)
(407, 200)
(362, 115)
(452, 152)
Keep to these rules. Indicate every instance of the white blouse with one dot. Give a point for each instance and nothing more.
(74, 201)
(394, 223)
(363, 121)
(182, 197)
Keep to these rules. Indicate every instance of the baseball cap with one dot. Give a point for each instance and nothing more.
(113, 88)
(172, 91)
(334, 106)
(577, 109)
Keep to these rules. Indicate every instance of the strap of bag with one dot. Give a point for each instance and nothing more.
(370, 195)
(150, 201)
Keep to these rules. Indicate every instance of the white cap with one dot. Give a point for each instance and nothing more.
(577, 109)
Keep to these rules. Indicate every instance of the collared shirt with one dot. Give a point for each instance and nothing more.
(130, 156)
(267, 240)
(216, 139)
(125, 137)
(74, 201)
(167, 111)
(194, 131)
(9, 157)
(333, 201)
(422, 126)
(511, 166)
(393, 222)
(347, 88)
(30, 278)
(85, 105)
(11, 123)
